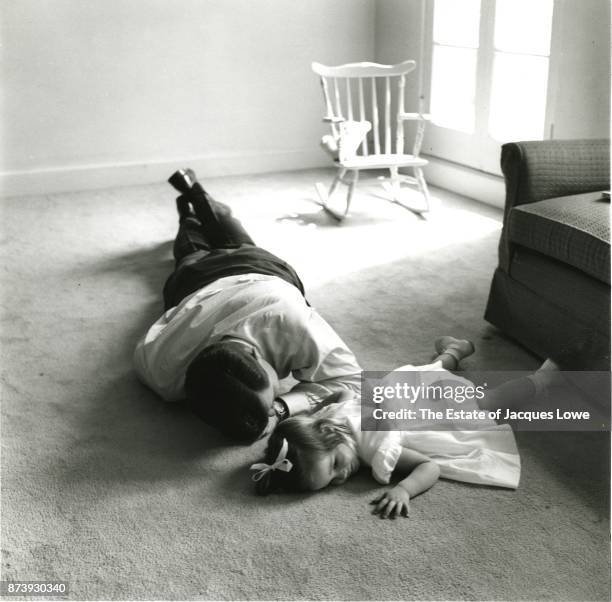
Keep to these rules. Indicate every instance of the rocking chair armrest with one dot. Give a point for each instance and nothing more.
(415, 116)
(333, 119)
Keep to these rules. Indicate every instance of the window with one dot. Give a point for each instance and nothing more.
(489, 77)
(455, 53)
(520, 69)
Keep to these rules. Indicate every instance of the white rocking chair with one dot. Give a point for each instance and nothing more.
(353, 95)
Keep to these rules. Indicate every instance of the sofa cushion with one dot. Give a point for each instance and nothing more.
(573, 229)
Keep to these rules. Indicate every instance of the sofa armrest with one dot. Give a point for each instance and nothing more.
(545, 169)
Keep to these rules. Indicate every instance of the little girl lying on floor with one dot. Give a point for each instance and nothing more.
(307, 453)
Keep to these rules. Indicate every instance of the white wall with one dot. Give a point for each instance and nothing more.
(398, 24)
(111, 92)
(582, 97)
(107, 92)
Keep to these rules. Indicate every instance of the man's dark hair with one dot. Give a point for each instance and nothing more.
(221, 386)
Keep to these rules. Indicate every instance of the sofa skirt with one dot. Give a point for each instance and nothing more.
(574, 341)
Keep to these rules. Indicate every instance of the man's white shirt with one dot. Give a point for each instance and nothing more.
(268, 313)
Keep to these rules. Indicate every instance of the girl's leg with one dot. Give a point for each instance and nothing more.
(521, 391)
(510, 394)
(451, 351)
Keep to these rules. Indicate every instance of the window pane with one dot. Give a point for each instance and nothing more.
(457, 22)
(518, 97)
(523, 26)
(453, 87)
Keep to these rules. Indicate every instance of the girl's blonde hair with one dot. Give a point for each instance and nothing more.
(306, 434)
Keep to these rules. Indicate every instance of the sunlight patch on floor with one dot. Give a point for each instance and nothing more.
(376, 232)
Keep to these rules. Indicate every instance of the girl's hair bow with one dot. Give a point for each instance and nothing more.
(281, 463)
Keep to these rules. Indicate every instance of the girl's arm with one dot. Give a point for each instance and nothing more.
(423, 473)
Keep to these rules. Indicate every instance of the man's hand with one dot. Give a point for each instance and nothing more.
(336, 398)
(272, 422)
(392, 503)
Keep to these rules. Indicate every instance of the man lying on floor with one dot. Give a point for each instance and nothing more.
(236, 324)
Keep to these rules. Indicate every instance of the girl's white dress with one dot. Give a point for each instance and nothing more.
(485, 456)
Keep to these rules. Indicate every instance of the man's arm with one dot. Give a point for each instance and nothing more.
(155, 373)
(308, 397)
(325, 367)
(296, 340)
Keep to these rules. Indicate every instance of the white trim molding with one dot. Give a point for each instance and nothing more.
(109, 175)
(479, 185)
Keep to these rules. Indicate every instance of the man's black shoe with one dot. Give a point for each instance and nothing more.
(191, 175)
(181, 180)
(184, 180)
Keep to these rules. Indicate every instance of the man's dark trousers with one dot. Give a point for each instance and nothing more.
(215, 245)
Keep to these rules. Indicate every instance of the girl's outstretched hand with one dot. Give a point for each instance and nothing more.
(392, 503)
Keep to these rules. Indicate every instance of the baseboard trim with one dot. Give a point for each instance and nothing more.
(483, 187)
(478, 185)
(110, 175)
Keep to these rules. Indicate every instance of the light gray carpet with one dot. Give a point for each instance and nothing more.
(106, 487)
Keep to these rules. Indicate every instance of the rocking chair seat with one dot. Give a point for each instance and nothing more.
(383, 161)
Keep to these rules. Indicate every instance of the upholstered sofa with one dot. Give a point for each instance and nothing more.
(551, 289)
